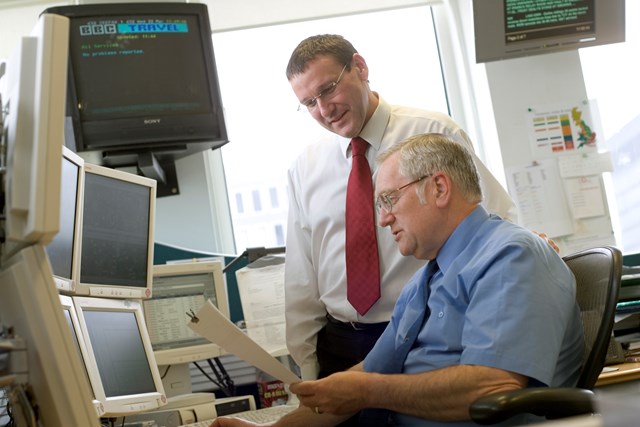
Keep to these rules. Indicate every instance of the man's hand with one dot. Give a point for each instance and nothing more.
(234, 422)
(342, 393)
(549, 241)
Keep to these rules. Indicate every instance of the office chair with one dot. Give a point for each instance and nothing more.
(598, 274)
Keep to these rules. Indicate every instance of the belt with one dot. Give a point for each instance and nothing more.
(356, 326)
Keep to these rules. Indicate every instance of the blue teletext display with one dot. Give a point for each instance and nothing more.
(112, 28)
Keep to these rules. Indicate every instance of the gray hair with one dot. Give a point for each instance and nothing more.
(312, 47)
(427, 153)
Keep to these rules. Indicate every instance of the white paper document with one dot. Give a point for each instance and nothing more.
(538, 192)
(214, 326)
(262, 297)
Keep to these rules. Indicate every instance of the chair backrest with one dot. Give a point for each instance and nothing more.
(598, 273)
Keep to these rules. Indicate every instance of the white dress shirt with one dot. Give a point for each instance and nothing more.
(315, 275)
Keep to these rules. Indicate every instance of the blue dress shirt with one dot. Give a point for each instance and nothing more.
(502, 298)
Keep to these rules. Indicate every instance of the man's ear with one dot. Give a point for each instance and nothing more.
(441, 189)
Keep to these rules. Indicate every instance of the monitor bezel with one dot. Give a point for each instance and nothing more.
(67, 304)
(33, 98)
(203, 351)
(68, 284)
(115, 290)
(119, 405)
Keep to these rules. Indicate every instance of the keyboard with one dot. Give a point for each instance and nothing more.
(263, 415)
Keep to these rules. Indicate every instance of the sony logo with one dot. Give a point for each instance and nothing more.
(151, 121)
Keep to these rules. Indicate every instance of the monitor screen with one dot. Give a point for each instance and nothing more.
(142, 78)
(118, 217)
(55, 381)
(120, 362)
(32, 94)
(515, 28)
(64, 250)
(179, 289)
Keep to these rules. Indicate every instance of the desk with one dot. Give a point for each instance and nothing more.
(626, 372)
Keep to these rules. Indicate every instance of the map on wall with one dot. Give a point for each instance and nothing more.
(555, 130)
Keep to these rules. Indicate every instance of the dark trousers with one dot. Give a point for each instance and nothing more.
(343, 345)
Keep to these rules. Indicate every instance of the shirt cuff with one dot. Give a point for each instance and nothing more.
(309, 370)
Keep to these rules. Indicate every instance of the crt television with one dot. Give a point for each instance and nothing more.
(179, 289)
(64, 250)
(118, 221)
(32, 95)
(142, 81)
(507, 29)
(119, 359)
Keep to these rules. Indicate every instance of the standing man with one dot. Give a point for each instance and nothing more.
(493, 310)
(325, 332)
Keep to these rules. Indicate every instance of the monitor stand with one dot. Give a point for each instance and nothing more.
(177, 380)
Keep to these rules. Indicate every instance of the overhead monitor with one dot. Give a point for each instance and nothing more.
(507, 29)
(119, 361)
(33, 93)
(118, 219)
(64, 250)
(143, 84)
(179, 289)
(56, 384)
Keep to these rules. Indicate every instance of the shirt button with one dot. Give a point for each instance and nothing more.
(441, 314)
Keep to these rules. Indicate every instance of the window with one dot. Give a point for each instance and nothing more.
(611, 78)
(266, 130)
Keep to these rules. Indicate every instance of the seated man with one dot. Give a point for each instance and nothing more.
(493, 310)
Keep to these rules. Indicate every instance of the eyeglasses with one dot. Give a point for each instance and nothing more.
(312, 103)
(385, 201)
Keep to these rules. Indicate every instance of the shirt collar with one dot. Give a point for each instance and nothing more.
(461, 236)
(374, 130)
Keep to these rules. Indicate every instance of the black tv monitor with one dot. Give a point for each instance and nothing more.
(507, 29)
(142, 82)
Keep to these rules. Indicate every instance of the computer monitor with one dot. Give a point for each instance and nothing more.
(55, 385)
(118, 218)
(33, 96)
(506, 29)
(179, 289)
(143, 82)
(64, 250)
(71, 316)
(119, 361)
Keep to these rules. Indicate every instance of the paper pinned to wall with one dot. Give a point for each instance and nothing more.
(585, 164)
(585, 196)
(538, 192)
(214, 326)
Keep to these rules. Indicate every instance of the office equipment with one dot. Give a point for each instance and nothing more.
(71, 316)
(263, 415)
(143, 85)
(211, 324)
(64, 249)
(598, 272)
(118, 218)
(32, 95)
(55, 383)
(119, 359)
(507, 29)
(179, 289)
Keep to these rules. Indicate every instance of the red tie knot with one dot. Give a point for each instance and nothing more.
(358, 147)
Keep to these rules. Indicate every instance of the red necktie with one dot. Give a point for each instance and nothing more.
(363, 275)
